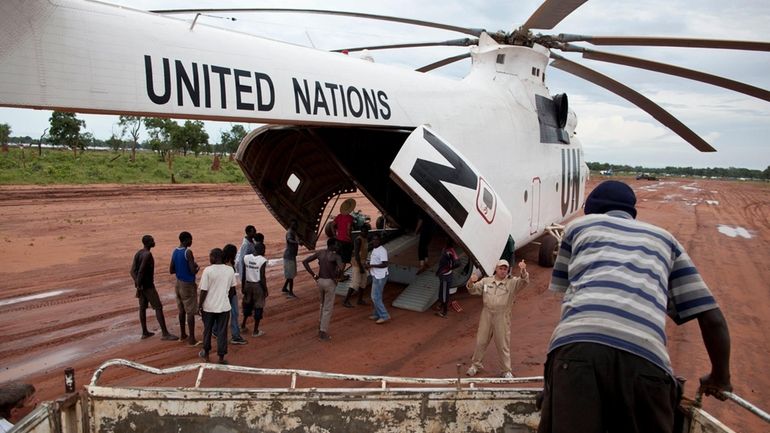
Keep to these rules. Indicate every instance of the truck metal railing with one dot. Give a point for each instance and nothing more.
(740, 401)
(385, 382)
(402, 403)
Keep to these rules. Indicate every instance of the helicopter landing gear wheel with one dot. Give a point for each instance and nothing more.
(549, 247)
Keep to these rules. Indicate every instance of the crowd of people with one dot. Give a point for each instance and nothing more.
(607, 367)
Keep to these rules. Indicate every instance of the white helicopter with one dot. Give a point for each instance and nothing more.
(492, 158)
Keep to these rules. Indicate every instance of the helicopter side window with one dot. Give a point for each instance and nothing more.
(293, 182)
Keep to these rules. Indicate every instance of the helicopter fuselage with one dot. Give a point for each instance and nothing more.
(500, 121)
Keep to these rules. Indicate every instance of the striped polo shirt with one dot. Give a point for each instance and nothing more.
(621, 277)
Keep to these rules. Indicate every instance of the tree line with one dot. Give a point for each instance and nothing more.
(730, 172)
(166, 136)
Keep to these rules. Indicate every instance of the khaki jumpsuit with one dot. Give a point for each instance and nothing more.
(499, 296)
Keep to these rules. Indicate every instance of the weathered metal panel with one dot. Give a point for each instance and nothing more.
(703, 422)
(338, 410)
(39, 420)
(441, 405)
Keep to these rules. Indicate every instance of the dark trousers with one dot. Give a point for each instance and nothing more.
(593, 388)
(215, 322)
(443, 291)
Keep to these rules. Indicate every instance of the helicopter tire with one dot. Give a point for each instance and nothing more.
(549, 249)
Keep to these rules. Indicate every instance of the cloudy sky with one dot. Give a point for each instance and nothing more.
(611, 129)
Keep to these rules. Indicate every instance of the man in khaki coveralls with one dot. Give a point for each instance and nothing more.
(499, 292)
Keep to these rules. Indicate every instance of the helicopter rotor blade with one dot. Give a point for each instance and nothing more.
(443, 62)
(465, 42)
(666, 68)
(464, 30)
(551, 12)
(655, 41)
(634, 97)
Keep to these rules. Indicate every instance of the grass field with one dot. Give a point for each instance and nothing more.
(24, 167)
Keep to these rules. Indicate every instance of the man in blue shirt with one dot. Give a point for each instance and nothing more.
(184, 267)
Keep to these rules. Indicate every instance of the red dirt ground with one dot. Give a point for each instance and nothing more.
(80, 241)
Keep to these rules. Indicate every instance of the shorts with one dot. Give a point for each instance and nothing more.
(346, 250)
(253, 295)
(289, 268)
(359, 279)
(186, 297)
(149, 296)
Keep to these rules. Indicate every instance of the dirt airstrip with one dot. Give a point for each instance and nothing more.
(66, 298)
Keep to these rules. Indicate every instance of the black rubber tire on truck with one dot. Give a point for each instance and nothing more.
(549, 248)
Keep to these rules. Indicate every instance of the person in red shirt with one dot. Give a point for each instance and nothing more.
(343, 230)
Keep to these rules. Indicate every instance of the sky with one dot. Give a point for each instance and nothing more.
(611, 129)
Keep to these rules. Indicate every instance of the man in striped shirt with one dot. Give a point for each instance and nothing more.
(608, 369)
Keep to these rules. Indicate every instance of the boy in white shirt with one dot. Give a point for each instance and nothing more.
(378, 268)
(217, 285)
(254, 287)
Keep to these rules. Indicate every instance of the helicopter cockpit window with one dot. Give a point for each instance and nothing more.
(293, 182)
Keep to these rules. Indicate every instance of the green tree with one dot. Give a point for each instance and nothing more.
(190, 138)
(65, 130)
(160, 132)
(5, 133)
(131, 126)
(87, 139)
(232, 138)
(114, 143)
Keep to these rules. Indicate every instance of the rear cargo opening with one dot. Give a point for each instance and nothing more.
(296, 171)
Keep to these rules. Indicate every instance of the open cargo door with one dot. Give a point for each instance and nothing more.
(294, 175)
(439, 178)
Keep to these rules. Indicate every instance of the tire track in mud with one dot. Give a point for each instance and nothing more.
(48, 281)
(86, 193)
(69, 324)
